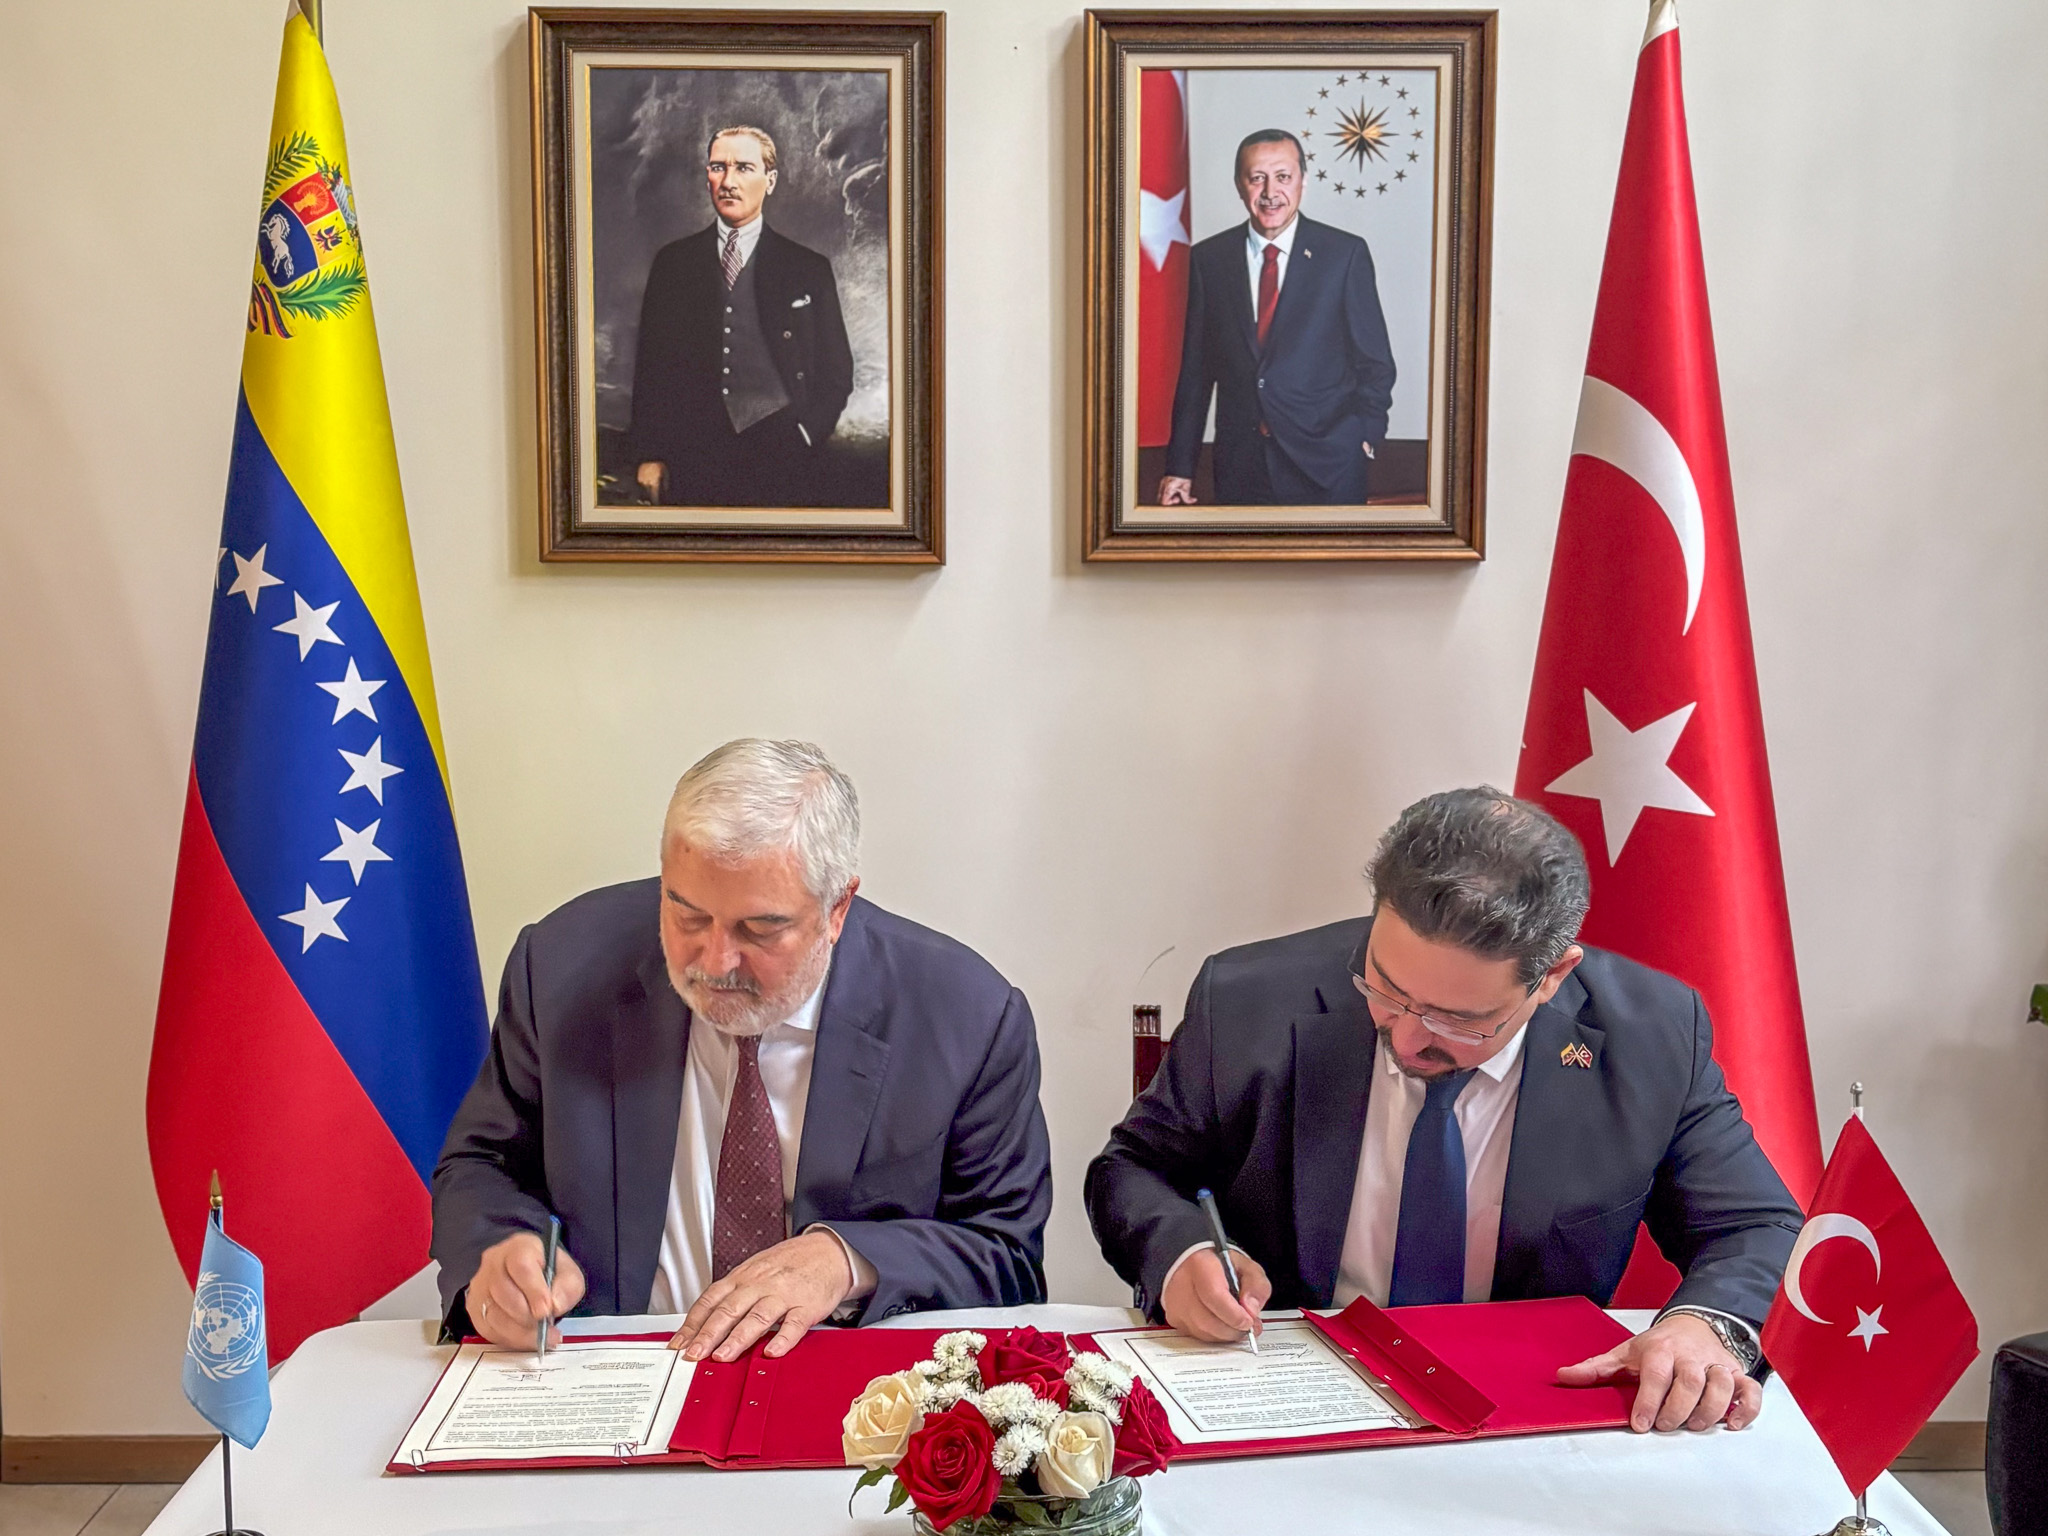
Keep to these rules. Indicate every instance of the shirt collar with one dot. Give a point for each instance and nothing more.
(1285, 239)
(1496, 1066)
(806, 1015)
(748, 232)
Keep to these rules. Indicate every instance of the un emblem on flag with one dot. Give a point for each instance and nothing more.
(227, 1328)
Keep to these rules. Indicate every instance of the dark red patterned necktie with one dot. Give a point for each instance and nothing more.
(1269, 291)
(748, 1215)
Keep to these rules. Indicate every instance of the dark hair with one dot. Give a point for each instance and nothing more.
(1487, 872)
(1268, 136)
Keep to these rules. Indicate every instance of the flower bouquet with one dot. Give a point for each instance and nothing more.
(1014, 1433)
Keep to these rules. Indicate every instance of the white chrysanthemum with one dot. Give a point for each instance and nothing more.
(1101, 1372)
(1086, 1397)
(962, 1345)
(1041, 1413)
(1016, 1449)
(1007, 1404)
(944, 1394)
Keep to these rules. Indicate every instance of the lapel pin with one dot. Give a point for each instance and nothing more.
(1576, 1055)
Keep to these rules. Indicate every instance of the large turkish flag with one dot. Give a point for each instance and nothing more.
(1163, 224)
(1644, 732)
(1869, 1333)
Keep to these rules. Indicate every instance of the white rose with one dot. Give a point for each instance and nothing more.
(882, 1420)
(1078, 1450)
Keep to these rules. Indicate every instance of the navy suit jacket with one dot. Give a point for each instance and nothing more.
(923, 1143)
(1262, 1098)
(1322, 383)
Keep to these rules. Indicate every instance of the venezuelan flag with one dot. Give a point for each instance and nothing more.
(321, 1013)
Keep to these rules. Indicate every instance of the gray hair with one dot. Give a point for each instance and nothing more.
(1487, 872)
(752, 797)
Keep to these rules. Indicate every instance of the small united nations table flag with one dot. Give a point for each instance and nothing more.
(227, 1361)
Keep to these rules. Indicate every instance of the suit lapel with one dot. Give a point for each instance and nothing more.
(1237, 284)
(650, 1039)
(1333, 1062)
(847, 1071)
(1550, 1119)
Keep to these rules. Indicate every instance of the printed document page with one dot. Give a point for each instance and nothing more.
(493, 1404)
(1298, 1385)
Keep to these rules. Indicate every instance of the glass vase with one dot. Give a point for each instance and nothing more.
(1113, 1509)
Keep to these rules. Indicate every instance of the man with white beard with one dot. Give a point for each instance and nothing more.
(749, 1095)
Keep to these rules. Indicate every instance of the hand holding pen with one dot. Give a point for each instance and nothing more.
(547, 1275)
(1240, 1291)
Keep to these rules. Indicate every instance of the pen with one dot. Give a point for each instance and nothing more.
(1207, 1201)
(547, 1275)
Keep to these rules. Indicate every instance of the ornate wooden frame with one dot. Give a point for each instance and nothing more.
(1454, 528)
(916, 40)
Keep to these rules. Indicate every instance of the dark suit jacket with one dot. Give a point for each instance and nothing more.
(677, 408)
(1325, 378)
(1262, 1098)
(923, 1144)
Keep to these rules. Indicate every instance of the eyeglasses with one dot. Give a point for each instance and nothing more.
(1465, 1034)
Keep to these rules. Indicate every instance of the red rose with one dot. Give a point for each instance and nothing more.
(1039, 1360)
(1145, 1442)
(949, 1466)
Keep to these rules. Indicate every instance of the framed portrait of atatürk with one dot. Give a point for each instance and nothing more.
(737, 283)
(1288, 220)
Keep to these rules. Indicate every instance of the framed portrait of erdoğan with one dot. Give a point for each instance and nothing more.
(736, 219)
(1287, 245)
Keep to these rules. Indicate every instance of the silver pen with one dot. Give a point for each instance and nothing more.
(1207, 1201)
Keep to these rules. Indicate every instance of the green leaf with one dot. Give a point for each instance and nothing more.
(2039, 1012)
(897, 1495)
(289, 158)
(1032, 1514)
(327, 293)
(868, 1479)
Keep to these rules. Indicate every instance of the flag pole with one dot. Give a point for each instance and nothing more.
(1860, 1523)
(310, 9)
(217, 1207)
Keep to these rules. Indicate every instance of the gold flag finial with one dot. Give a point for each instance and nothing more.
(213, 1200)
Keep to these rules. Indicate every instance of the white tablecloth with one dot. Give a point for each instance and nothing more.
(343, 1401)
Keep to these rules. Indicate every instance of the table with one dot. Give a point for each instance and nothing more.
(343, 1401)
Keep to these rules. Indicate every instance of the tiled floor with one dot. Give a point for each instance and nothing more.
(80, 1509)
(1956, 1499)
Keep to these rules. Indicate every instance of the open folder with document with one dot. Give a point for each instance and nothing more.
(1359, 1377)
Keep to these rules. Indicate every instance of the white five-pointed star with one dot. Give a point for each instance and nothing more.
(368, 770)
(357, 848)
(1630, 772)
(1162, 224)
(308, 625)
(352, 693)
(251, 578)
(1867, 1327)
(316, 919)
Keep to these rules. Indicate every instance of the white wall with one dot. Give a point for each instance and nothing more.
(1070, 769)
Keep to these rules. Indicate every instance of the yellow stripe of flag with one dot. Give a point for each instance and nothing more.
(318, 398)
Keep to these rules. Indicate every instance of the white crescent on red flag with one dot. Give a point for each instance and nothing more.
(1644, 733)
(1869, 1332)
(1162, 254)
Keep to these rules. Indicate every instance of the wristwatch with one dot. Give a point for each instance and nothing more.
(1735, 1336)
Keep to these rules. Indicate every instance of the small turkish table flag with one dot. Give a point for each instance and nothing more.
(1869, 1332)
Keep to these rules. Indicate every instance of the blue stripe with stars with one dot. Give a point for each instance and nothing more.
(330, 811)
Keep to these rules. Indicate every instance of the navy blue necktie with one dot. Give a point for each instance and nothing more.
(1429, 1246)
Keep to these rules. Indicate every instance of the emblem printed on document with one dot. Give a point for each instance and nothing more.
(227, 1327)
(309, 254)
(1576, 1055)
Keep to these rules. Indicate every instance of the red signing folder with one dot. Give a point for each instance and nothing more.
(1483, 1368)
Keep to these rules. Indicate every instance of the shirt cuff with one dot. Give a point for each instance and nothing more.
(864, 1274)
(1174, 1268)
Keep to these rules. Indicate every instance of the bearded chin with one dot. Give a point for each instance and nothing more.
(744, 1014)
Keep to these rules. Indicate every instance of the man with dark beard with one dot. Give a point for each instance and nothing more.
(749, 1095)
(1449, 1101)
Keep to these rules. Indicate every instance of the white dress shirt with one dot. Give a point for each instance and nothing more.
(1255, 254)
(750, 236)
(1486, 1124)
(709, 1072)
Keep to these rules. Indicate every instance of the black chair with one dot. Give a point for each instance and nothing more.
(2016, 1438)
